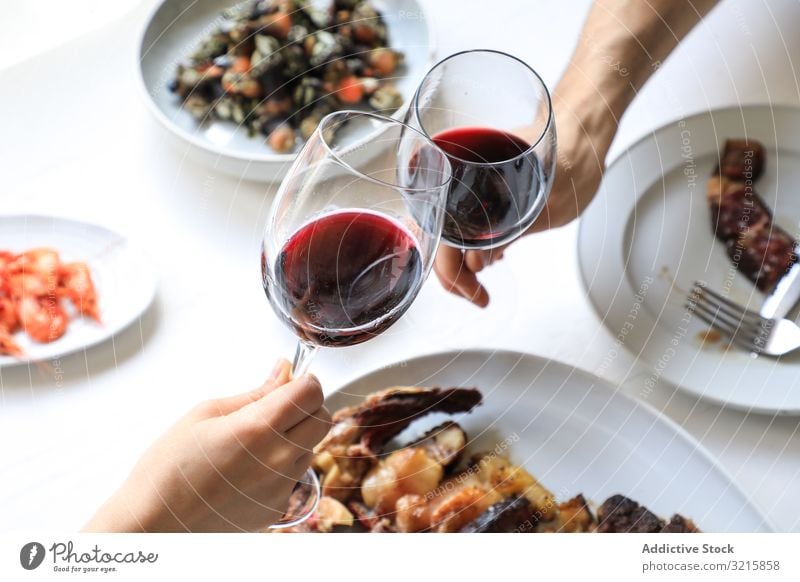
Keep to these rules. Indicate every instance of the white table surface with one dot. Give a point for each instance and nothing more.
(77, 141)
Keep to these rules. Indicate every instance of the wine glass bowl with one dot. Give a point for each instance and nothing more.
(492, 115)
(354, 228)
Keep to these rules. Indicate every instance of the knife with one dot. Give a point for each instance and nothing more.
(784, 297)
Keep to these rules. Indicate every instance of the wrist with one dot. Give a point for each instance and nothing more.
(114, 516)
(587, 111)
(129, 510)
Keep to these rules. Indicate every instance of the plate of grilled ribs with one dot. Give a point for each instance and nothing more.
(486, 441)
(708, 198)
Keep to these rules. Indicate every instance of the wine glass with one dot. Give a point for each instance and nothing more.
(491, 113)
(353, 231)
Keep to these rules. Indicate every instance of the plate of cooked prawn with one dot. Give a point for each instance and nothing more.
(483, 441)
(66, 285)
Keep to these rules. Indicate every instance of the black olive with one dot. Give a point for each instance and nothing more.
(271, 80)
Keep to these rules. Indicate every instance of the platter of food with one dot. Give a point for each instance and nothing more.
(65, 286)
(708, 198)
(487, 441)
(246, 83)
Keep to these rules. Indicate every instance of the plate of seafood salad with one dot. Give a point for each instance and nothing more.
(504, 442)
(708, 198)
(252, 80)
(65, 286)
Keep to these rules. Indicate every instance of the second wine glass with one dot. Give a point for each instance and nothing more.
(491, 113)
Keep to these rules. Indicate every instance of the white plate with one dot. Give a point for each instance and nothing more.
(575, 434)
(176, 27)
(647, 236)
(124, 279)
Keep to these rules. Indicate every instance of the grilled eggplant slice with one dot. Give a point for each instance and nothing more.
(444, 443)
(512, 515)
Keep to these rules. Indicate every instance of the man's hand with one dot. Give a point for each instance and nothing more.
(621, 45)
(582, 148)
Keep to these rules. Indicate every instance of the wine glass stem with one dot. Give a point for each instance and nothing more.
(302, 358)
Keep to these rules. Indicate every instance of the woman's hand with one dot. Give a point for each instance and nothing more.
(229, 465)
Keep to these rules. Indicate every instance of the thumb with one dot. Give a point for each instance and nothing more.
(457, 278)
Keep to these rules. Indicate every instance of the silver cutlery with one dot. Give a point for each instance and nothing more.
(746, 329)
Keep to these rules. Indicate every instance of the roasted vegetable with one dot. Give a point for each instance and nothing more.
(499, 474)
(331, 513)
(409, 471)
(419, 488)
(574, 516)
(359, 433)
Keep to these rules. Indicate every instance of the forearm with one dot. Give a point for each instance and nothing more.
(622, 43)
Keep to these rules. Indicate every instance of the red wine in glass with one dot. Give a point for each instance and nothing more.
(495, 186)
(340, 275)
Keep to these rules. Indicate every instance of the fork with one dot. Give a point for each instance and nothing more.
(745, 328)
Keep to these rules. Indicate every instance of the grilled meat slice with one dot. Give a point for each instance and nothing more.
(622, 515)
(764, 255)
(737, 212)
(680, 524)
(759, 249)
(618, 514)
(512, 515)
(741, 160)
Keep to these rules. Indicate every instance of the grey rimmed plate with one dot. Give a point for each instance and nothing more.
(575, 433)
(648, 235)
(174, 29)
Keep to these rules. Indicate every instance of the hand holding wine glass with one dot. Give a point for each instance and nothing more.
(491, 114)
(228, 465)
(353, 231)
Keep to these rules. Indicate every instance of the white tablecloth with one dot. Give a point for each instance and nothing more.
(77, 141)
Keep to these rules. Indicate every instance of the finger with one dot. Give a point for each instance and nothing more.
(497, 254)
(303, 462)
(282, 409)
(457, 278)
(279, 376)
(311, 431)
(476, 260)
(442, 269)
